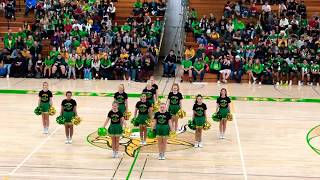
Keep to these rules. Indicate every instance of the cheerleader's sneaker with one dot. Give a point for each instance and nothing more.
(277, 83)
(70, 141)
(218, 82)
(220, 137)
(200, 145)
(113, 154)
(290, 83)
(144, 143)
(259, 83)
(141, 143)
(160, 156)
(196, 144)
(163, 157)
(67, 141)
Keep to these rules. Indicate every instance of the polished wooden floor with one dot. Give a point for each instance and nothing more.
(266, 141)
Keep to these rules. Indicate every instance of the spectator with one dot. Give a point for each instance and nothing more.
(169, 65)
(186, 68)
(198, 70)
(236, 68)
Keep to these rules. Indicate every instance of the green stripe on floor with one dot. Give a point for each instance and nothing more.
(134, 95)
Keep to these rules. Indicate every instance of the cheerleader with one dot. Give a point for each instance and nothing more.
(45, 102)
(150, 93)
(162, 124)
(199, 118)
(144, 108)
(115, 128)
(68, 111)
(175, 104)
(223, 110)
(154, 86)
(122, 99)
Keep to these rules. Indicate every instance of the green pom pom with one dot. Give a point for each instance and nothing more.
(102, 131)
(60, 120)
(216, 117)
(38, 111)
(134, 122)
(151, 134)
(191, 125)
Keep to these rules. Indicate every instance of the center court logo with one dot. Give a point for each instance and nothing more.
(130, 145)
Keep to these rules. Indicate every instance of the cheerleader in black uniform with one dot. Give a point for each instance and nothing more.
(175, 104)
(45, 102)
(68, 111)
(223, 110)
(199, 118)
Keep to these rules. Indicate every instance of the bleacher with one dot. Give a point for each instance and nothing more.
(206, 7)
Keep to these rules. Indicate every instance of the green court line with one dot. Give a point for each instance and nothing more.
(136, 95)
(308, 139)
(133, 163)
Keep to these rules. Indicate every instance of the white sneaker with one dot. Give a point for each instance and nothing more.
(290, 83)
(277, 83)
(141, 143)
(160, 157)
(45, 131)
(113, 154)
(220, 137)
(317, 84)
(218, 82)
(259, 83)
(200, 145)
(116, 155)
(70, 141)
(67, 141)
(249, 82)
(254, 79)
(7, 75)
(196, 144)
(163, 157)
(144, 143)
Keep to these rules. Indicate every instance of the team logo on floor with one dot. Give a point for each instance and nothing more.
(130, 145)
(313, 138)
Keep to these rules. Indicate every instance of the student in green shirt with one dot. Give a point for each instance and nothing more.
(248, 69)
(284, 72)
(198, 69)
(305, 72)
(215, 67)
(105, 68)
(257, 70)
(294, 72)
(137, 7)
(79, 66)
(87, 68)
(314, 73)
(186, 69)
(71, 67)
(48, 62)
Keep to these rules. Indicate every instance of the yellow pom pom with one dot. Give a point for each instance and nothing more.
(76, 120)
(172, 134)
(206, 126)
(52, 111)
(127, 132)
(229, 117)
(156, 107)
(127, 115)
(181, 114)
(148, 122)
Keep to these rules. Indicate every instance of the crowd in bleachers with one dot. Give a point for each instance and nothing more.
(85, 41)
(272, 47)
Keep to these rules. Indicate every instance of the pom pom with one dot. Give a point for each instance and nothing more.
(156, 106)
(127, 132)
(127, 115)
(229, 117)
(149, 122)
(172, 134)
(216, 117)
(52, 111)
(102, 131)
(38, 111)
(134, 122)
(206, 126)
(60, 120)
(181, 114)
(191, 125)
(151, 134)
(76, 120)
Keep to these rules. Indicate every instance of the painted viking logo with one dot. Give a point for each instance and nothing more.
(68, 106)
(44, 97)
(130, 144)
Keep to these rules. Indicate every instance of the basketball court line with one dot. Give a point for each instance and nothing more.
(244, 170)
(133, 95)
(34, 151)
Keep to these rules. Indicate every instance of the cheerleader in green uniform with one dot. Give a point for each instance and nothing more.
(144, 109)
(45, 102)
(68, 111)
(199, 118)
(150, 93)
(223, 110)
(175, 104)
(162, 124)
(154, 86)
(115, 128)
(122, 99)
